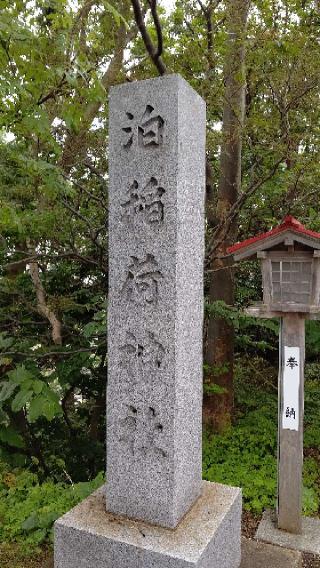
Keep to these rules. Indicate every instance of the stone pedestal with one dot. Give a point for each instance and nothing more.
(207, 537)
(308, 541)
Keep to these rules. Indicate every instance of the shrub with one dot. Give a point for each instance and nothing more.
(28, 508)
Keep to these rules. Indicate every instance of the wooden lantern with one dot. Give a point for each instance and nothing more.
(290, 262)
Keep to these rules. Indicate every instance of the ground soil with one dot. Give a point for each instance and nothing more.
(12, 557)
(310, 561)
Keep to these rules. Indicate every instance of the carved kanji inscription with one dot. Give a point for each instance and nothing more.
(148, 354)
(143, 430)
(145, 130)
(142, 281)
(144, 201)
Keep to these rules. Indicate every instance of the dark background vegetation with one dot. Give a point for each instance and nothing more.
(257, 66)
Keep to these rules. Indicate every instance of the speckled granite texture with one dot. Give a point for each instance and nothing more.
(155, 310)
(207, 537)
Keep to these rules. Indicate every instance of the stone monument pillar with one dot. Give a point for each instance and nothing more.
(157, 511)
(156, 248)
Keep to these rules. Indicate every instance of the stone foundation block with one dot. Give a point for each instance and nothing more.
(308, 541)
(209, 536)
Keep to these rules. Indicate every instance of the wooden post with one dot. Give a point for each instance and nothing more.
(266, 277)
(315, 294)
(291, 411)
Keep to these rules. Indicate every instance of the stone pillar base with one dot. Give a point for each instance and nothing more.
(209, 536)
(308, 541)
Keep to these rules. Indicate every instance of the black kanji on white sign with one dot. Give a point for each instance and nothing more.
(290, 412)
(292, 363)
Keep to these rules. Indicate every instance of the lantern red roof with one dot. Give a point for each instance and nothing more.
(289, 224)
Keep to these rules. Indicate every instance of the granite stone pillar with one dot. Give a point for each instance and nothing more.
(156, 249)
(155, 316)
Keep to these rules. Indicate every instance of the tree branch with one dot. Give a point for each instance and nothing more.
(92, 233)
(79, 23)
(154, 52)
(223, 227)
(54, 92)
(88, 193)
(73, 255)
(157, 24)
(43, 308)
(35, 355)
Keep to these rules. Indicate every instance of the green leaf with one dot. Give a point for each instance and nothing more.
(19, 374)
(47, 519)
(213, 388)
(37, 386)
(4, 418)
(36, 408)
(7, 390)
(5, 342)
(10, 436)
(40, 520)
(117, 16)
(310, 500)
(32, 522)
(46, 405)
(20, 400)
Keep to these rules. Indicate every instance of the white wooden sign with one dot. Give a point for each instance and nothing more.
(291, 384)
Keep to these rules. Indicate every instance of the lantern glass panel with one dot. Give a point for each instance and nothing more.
(291, 281)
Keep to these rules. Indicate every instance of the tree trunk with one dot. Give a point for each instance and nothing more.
(220, 339)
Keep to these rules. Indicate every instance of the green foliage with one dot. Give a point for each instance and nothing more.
(312, 406)
(29, 508)
(257, 478)
(313, 338)
(213, 388)
(251, 333)
(246, 456)
(208, 386)
(30, 391)
(8, 435)
(311, 486)
(116, 14)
